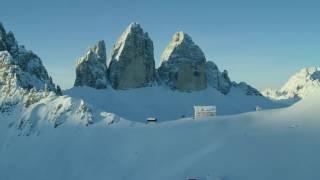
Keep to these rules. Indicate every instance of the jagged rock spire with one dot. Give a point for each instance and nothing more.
(91, 69)
(132, 62)
(183, 64)
(182, 49)
(100, 50)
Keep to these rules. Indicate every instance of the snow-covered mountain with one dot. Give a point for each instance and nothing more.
(300, 85)
(26, 86)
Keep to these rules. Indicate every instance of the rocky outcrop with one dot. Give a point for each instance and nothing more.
(20, 67)
(216, 79)
(91, 69)
(183, 64)
(132, 62)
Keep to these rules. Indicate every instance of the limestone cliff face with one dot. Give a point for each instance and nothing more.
(183, 65)
(91, 69)
(132, 62)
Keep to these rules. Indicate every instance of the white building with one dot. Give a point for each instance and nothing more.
(204, 111)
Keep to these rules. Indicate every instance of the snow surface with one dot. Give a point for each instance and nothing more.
(266, 145)
(165, 104)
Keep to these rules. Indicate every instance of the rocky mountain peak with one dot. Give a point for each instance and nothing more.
(180, 37)
(91, 69)
(182, 48)
(99, 49)
(132, 63)
(20, 67)
(183, 64)
(134, 26)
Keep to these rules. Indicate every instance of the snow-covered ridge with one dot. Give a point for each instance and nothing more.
(300, 85)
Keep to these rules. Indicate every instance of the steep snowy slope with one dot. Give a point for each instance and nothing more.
(268, 145)
(161, 102)
(300, 85)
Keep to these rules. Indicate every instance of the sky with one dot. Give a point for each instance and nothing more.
(260, 42)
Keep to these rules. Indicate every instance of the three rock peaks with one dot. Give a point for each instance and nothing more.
(183, 65)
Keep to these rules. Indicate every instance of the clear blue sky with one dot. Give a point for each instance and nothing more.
(260, 42)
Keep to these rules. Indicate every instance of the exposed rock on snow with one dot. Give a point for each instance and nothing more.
(91, 69)
(216, 79)
(183, 64)
(299, 86)
(132, 62)
(20, 67)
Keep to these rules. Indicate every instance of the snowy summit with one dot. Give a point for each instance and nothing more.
(300, 85)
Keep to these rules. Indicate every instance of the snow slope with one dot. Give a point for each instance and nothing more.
(160, 102)
(267, 145)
